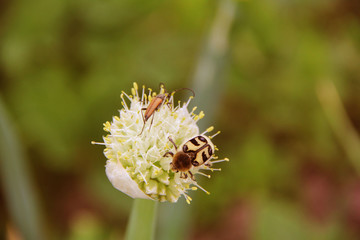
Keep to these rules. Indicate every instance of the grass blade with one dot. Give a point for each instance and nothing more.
(18, 188)
(208, 84)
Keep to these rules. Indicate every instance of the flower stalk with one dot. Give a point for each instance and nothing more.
(141, 224)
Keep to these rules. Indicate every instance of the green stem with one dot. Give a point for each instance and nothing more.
(141, 225)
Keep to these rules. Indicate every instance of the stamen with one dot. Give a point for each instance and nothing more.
(143, 177)
(135, 86)
(221, 160)
(203, 174)
(128, 96)
(187, 103)
(201, 188)
(211, 137)
(187, 198)
(150, 91)
(98, 143)
(157, 168)
(162, 89)
(133, 92)
(200, 116)
(171, 100)
(107, 126)
(192, 111)
(209, 129)
(107, 140)
(213, 169)
(117, 138)
(123, 101)
(146, 99)
(143, 94)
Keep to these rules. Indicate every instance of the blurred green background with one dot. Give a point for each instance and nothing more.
(285, 96)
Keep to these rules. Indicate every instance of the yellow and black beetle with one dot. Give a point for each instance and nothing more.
(193, 152)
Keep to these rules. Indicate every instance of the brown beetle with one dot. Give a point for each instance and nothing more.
(155, 104)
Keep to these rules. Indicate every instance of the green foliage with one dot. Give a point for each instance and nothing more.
(63, 65)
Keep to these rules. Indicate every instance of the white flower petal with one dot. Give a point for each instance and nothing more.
(121, 180)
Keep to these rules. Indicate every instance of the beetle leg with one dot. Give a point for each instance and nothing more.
(169, 105)
(208, 164)
(142, 114)
(168, 153)
(173, 143)
(152, 119)
(191, 176)
(183, 175)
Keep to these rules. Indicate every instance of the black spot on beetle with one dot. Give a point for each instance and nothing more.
(195, 163)
(204, 157)
(201, 138)
(193, 141)
(210, 151)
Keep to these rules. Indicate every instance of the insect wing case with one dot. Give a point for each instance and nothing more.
(201, 146)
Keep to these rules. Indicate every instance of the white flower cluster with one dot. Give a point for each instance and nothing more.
(135, 164)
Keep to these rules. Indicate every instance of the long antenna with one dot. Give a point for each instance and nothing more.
(179, 89)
